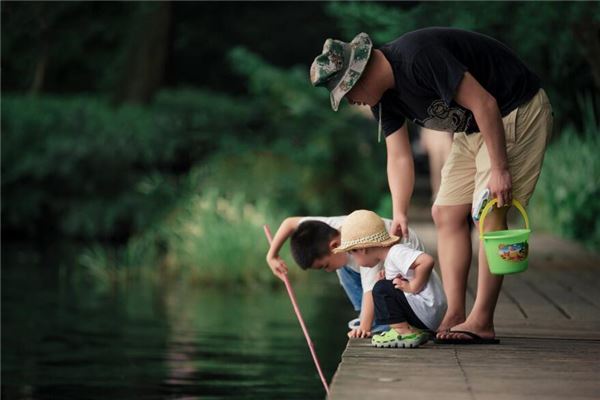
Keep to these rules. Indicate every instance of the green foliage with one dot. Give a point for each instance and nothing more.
(74, 164)
(87, 46)
(295, 157)
(78, 44)
(184, 184)
(207, 239)
(326, 157)
(567, 197)
(145, 176)
(83, 169)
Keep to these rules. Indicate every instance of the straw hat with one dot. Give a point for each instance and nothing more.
(362, 229)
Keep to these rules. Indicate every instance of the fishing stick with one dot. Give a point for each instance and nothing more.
(290, 291)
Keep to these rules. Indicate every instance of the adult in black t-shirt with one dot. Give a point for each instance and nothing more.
(475, 87)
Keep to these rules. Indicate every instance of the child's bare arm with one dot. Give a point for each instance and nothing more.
(367, 313)
(287, 227)
(422, 267)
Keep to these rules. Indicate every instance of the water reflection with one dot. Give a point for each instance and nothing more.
(65, 339)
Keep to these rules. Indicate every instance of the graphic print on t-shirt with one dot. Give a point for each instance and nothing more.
(444, 118)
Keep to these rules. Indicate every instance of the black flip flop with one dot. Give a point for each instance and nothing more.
(473, 339)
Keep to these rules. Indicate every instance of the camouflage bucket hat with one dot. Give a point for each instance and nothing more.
(340, 66)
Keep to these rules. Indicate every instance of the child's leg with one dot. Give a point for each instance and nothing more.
(392, 308)
(350, 281)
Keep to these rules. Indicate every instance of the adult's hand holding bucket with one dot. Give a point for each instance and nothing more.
(507, 251)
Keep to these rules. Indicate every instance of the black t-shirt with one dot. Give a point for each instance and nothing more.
(428, 66)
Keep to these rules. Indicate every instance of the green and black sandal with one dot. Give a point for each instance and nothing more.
(392, 338)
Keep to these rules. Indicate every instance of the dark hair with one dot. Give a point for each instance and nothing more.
(311, 241)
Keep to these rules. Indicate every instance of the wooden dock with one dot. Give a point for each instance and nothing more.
(548, 321)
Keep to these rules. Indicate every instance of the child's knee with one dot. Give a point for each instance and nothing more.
(382, 287)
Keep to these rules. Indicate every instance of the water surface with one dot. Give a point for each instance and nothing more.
(64, 338)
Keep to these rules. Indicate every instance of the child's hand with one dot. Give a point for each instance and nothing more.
(359, 333)
(381, 275)
(402, 284)
(277, 266)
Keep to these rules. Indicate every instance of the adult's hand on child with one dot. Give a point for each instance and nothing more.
(402, 284)
(359, 333)
(400, 225)
(278, 266)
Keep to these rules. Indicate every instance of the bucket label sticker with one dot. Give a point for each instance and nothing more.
(513, 252)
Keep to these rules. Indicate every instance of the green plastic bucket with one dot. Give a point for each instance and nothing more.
(507, 252)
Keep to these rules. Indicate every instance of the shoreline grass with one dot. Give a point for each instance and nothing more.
(209, 240)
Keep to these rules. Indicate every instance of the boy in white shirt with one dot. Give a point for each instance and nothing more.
(410, 299)
(312, 241)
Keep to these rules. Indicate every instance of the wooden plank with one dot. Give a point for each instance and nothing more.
(563, 257)
(573, 305)
(552, 247)
(590, 274)
(534, 304)
(544, 328)
(366, 372)
(517, 369)
(575, 283)
(529, 367)
(507, 307)
(548, 320)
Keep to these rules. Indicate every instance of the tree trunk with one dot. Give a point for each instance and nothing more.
(146, 53)
(40, 71)
(41, 65)
(587, 32)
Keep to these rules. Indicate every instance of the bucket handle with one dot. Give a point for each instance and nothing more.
(489, 206)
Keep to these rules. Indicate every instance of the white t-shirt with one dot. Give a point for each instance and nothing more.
(368, 276)
(430, 303)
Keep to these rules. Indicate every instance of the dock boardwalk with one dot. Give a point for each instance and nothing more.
(548, 321)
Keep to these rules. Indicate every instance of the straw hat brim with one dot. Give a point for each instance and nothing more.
(388, 242)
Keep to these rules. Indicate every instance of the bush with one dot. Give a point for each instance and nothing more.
(207, 239)
(567, 197)
(78, 167)
(146, 177)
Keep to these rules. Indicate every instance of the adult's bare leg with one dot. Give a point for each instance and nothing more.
(481, 318)
(454, 254)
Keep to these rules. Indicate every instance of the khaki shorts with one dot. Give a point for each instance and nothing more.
(467, 170)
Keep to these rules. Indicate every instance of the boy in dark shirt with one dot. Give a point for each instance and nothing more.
(470, 85)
